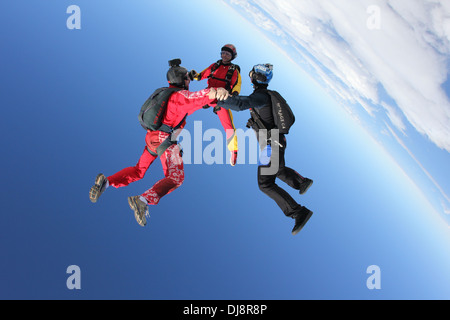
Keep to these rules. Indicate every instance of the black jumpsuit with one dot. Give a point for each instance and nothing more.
(261, 100)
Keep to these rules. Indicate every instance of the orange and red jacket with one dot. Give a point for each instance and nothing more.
(218, 78)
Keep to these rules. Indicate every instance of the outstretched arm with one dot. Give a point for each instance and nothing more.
(240, 103)
(204, 74)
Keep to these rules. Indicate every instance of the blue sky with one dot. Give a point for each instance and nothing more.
(70, 101)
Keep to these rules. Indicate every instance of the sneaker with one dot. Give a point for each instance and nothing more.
(301, 218)
(140, 210)
(98, 188)
(233, 158)
(305, 184)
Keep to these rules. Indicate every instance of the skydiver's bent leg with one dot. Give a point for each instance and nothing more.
(266, 183)
(283, 199)
(291, 177)
(172, 163)
(286, 203)
(125, 176)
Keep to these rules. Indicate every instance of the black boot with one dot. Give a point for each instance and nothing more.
(305, 184)
(301, 218)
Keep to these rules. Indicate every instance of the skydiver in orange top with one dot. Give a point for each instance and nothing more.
(224, 74)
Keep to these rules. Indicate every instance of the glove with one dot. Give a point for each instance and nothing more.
(192, 74)
(212, 93)
(222, 94)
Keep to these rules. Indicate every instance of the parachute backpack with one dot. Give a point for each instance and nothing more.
(283, 116)
(154, 108)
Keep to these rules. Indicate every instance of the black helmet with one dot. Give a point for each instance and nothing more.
(176, 74)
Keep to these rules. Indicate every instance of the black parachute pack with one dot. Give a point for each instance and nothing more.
(152, 114)
(283, 117)
(282, 114)
(154, 108)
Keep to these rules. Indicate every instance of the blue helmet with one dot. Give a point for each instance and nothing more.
(262, 73)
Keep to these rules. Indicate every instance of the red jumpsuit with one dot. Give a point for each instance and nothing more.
(180, 103)
(217, 81)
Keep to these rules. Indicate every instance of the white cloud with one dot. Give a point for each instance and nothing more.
(394, 117)
(407, 55)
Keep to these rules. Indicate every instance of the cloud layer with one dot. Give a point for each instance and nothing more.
(357, 46)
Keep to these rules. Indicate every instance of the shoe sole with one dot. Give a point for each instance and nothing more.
(294, 232)
(304, 191)
(94, 193)
(133, 205)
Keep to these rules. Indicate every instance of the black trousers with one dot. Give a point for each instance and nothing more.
(292, 178)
